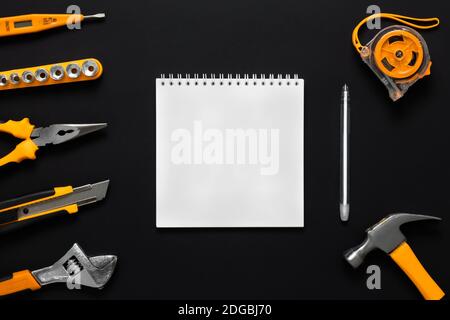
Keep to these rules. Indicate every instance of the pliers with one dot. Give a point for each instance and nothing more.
(33, 138)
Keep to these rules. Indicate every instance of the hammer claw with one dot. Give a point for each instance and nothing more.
(398, 219)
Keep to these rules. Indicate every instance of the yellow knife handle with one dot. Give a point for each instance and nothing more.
(23, 151)
(408, 262)
(19, 281)
(10, 210)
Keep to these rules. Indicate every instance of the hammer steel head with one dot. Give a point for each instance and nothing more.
(384, 235)
(77, 268)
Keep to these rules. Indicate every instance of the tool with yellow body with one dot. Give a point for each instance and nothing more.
(398, 54)
(75, 267)
(43, 204)
(57, 73)
(386, 236)
(31, 23)
(34, 138)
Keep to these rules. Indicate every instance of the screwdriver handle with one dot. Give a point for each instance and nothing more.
(19, 281)
(31, 23)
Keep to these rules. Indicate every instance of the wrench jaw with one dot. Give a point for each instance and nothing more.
(76, 267)
(101, 273)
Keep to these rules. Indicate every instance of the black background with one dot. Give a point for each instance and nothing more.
(400, 156)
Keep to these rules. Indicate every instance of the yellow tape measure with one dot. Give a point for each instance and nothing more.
(398, 54)
(64, 72)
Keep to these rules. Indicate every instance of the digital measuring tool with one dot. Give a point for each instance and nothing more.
(30, 23)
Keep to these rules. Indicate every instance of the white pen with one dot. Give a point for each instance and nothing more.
(344, 204)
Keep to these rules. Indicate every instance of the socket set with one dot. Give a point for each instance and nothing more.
(57, 73)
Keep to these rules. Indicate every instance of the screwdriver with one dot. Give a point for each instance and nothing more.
(344, 205)
(30, 23)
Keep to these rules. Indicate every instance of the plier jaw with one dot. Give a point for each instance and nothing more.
(60, 133)
(33, 138)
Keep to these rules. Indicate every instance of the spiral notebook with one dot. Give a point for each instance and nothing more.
(229, 151)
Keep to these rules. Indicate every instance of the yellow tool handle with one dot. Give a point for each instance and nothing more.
(20, 129)
(409, 21)
(408, 262)
(31, 23)
(9, 210)
(19, 281)
(26, 150)
(50, 74)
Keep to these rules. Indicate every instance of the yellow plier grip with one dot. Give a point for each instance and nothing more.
(19, 281)
(24, 150)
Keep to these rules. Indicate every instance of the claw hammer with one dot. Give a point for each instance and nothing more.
(386, 235)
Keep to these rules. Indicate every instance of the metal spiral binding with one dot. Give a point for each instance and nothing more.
(229, 79)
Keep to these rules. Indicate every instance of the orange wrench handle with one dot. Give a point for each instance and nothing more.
(20, 281)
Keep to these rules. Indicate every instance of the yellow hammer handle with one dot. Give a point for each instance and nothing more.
(24, 150)
(20, 281)
(408, 262)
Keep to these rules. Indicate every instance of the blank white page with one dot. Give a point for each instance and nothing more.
(229, 152)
